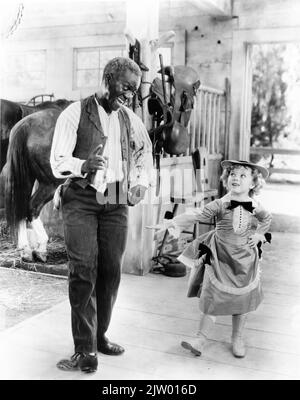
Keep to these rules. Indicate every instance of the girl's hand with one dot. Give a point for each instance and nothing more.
(161, 228)
(254, 239)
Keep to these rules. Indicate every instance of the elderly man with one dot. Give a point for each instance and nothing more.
(104, 150)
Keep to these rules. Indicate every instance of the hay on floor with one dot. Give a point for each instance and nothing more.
(10, 255)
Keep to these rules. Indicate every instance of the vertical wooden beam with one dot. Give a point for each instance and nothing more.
(204, 121)
(192, 123)
(213, 130)
(246, 106)
(142, 21)
(237, 78)
(199, 113)
(218, 127)
(227, 117)
(209, 123)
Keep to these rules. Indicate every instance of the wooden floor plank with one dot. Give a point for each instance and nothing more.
(152, 316)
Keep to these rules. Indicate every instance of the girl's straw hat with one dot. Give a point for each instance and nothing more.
(262, 170)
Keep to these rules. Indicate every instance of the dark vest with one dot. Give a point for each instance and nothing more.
(90, 135)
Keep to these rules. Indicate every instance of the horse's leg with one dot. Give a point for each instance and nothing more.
(22, 238)
(23, 242)
(43, 194)
(2, 187)
(40, 252)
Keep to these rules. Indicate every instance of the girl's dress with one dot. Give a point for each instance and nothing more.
(225, 270)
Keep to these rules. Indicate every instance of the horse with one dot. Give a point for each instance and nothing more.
(28, 159)
(28, 166)
(12, 112)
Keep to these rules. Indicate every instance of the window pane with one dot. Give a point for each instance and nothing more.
(36, 79)
(87, 59)
(89, 64)
(87, 78)
(27, 80)
(107, 55)
(26, 70)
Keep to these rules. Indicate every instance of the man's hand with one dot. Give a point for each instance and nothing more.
(254, 239)
(136, 194)
(94, 162)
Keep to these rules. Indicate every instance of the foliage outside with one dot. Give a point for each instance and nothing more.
(275, 118)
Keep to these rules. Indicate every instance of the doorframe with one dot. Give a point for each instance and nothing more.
(241, 82)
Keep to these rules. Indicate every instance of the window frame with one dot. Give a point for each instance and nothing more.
(16, 72)
(77, 50)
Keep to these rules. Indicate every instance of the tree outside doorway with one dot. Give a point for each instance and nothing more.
(275, 117)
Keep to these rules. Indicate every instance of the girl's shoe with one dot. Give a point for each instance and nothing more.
(238, 347)
(195, 345)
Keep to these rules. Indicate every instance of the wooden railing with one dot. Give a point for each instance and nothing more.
(207, 124)
(271, 152)
(208, 127)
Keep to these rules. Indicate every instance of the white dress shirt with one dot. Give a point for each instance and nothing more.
(64, 165)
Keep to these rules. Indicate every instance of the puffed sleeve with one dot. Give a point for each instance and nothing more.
(264, 219)
(193, 215)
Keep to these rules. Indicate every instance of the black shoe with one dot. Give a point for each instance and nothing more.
(109, 348)
(83, 361)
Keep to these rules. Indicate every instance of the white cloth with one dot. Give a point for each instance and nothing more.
(64, 141)
(64, 165)
(112, 150)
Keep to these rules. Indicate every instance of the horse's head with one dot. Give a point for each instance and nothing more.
(172, 106)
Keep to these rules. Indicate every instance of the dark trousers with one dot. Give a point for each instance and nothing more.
(95, 237)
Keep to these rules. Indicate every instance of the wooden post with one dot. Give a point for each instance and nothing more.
(199, 114)
(218, 127)
(209, 123)
(142, 22)
(227, 117)
(192, 123)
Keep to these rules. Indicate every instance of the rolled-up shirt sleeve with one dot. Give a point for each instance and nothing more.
(63, 164)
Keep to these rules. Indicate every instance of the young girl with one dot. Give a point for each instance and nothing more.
(225, 269)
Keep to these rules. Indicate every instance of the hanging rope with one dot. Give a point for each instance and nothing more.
(17, 21)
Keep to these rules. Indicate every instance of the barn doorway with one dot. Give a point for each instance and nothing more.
(275, 112)
(275, 128)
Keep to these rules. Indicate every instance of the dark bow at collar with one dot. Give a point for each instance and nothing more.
(247, 205)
